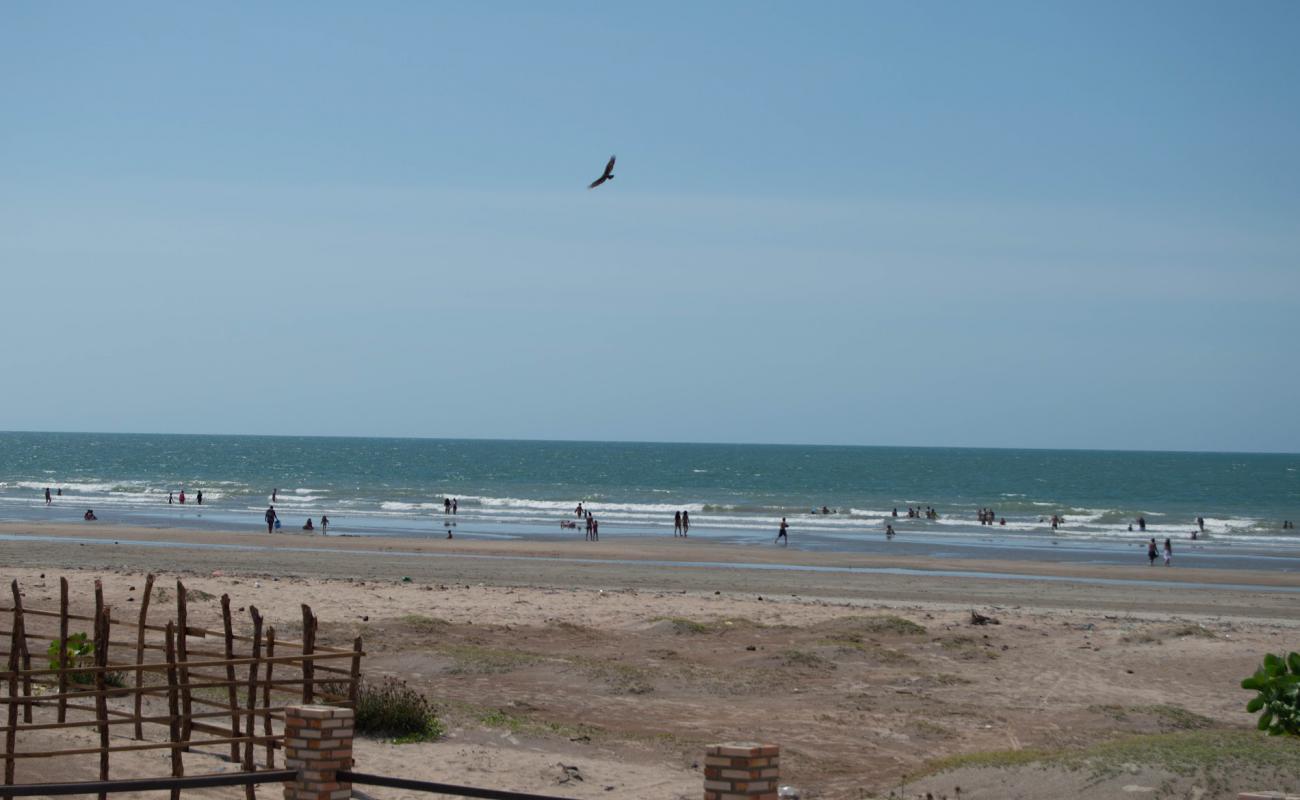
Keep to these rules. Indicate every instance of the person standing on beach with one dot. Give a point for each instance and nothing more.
(1152, 553)
(587, 537)
(47, 496)
(1169, 551)
(686, 522)
(270, 518)
(200, 497)
(324, 525)
(780, 534)
(677, 524)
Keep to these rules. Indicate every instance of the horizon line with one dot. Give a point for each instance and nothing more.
(430, 437)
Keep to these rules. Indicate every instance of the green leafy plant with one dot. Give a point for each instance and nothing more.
(80, 652)
(393, 709)
(1277, 683)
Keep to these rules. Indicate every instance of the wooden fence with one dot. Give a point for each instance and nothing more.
(203, 696)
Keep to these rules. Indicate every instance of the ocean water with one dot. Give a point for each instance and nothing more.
(733, 492)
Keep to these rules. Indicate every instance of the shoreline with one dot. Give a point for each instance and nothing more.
(654, 563)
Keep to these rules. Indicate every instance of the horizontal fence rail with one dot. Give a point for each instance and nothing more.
(151, 784)
(364, 779)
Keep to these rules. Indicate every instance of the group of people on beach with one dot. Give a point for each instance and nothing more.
(198, 497)
(273, 520)
(1153, 552)
(987, 517)
(917, 513)
(681, 523)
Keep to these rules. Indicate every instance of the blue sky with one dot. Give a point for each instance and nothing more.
(1005, 224)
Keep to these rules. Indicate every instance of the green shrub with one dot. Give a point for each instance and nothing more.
(393, 709)
(80, 652)
(1277, 684)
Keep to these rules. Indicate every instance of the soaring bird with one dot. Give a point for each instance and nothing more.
(607, 176)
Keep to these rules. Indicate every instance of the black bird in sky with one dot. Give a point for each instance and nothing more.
(608, 176)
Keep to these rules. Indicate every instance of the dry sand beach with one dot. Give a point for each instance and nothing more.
(626, 658)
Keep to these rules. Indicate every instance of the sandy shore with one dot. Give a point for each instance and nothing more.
(625, 658)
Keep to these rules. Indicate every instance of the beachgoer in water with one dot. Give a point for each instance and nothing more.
(169, 498)
(274, 492)
(889, 531)
(577, 512)
(1193, 536)
(181, 497)
(47, 496)
(446, 505)
(1130, 527)
(1153, 553)
(677, 523)
(309, 526)
(89, 515)
(455, 505)
(1004, 522)
(324, 525)
(1142, 524)
(270, 518)
(595, 530)
(588, 536)
(200, 497)
(58, 492)
(781, 533)
(895, 513)
(1200, 523)
(825, 510)
(686, 522)
(1169, 551)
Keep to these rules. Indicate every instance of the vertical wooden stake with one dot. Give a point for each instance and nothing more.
(251, 722)
(11, 730)
(101, 682)
(139, 652)
(24, 657)
(63, 649)
(173, 708)
(182, 631)
(308, 647)
(355, 687)
(232, 694)
(266, 697)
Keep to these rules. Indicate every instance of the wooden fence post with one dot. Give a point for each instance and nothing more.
(318, 743)
(173, 708)
(63, 649)
(139, 652)
(232, 694)
(11, 731)
(266, 697)
(250, 724)
(308, 647)
(182, 631)
(101, 681)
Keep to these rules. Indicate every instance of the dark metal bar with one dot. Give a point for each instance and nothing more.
(152, 784)
(347, 776)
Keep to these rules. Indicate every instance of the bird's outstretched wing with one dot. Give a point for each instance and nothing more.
(609, 171)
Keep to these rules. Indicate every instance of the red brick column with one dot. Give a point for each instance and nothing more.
(742, 771)
(317, 743)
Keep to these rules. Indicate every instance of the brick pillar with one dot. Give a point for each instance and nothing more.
(742, 771)
(317, 743)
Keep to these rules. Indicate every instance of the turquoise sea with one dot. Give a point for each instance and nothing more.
(733, 492)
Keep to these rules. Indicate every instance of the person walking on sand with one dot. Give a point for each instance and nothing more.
(270, 518)
(780, 534)
(1169, 551)
(686, 522)
(1152, 553)
(677, 523)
